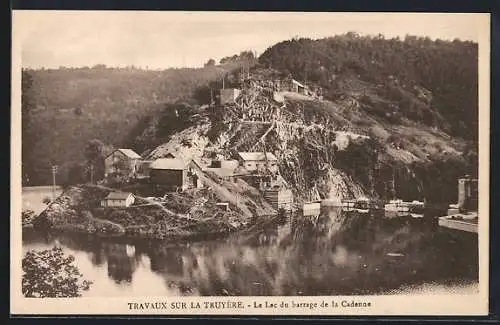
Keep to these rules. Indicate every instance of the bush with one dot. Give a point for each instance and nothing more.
(27, 217)
(51, 274)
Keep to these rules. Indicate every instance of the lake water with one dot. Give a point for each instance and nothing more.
(335, 253)
(34, 196)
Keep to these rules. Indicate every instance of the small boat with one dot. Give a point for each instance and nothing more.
(396, 206)
(311, 208)
(362, 205)
(315, 205)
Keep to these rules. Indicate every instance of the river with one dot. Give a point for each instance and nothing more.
(33, 197)
(335, 253)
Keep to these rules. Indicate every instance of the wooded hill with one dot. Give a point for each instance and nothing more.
(434, 82)
(63, 109)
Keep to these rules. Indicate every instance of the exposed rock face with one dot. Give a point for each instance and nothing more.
(328, 149)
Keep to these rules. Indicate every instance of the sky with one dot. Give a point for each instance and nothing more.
(160, 40)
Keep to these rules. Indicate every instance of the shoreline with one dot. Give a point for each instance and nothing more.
(69, 229)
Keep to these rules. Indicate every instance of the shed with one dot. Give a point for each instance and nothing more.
(298, 87)
(279, 198)
(171, 173)
(118, 199)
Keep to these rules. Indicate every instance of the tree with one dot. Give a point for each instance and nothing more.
(95, 152)
(76, 174)
(27, 216)
(210, 63)
(51, 274)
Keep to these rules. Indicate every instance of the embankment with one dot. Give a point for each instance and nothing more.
(192, 214)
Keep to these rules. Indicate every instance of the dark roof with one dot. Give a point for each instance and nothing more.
(118, 195)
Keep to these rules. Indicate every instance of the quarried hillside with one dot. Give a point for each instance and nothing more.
(333, 149)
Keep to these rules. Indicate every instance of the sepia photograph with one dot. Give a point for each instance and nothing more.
(246, 155)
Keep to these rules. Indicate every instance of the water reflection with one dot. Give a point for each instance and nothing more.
(333, 253)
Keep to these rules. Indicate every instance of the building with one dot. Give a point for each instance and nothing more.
(229, 95)
(121, 162)
(292, 85)
(279, 198)
(175, 174)
(258, 161)
(224, 169)
(467, 194)
(228, 164)
(118, 199)
(169, 173)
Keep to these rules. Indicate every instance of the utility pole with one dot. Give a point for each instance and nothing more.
(223, 77)
(91, 173)
(54, 171)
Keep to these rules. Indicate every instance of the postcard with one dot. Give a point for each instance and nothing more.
(249, 163)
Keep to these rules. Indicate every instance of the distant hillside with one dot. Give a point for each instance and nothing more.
(433, 82)
(65, 108)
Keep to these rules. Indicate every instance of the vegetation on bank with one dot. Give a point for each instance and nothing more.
(51, 274)
(181, 215)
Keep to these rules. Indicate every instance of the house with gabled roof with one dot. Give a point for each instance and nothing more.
(169, 173)
(118, 199)
(121, 162)
(258, 161)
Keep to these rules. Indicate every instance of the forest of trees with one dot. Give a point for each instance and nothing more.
(448, 69)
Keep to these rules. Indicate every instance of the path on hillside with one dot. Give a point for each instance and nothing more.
(165, 209)
(222, 192)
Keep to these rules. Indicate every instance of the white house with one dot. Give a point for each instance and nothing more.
(118, 199)
(258, 161)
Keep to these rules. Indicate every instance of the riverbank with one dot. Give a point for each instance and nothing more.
(189, 215)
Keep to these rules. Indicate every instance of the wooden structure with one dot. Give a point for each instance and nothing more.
(169, 174)
(122, 162)
(279, 198)
(459, 222)
(118, 199)
(223, 205)
(258, 161)
(467, 194)
(312, 208)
